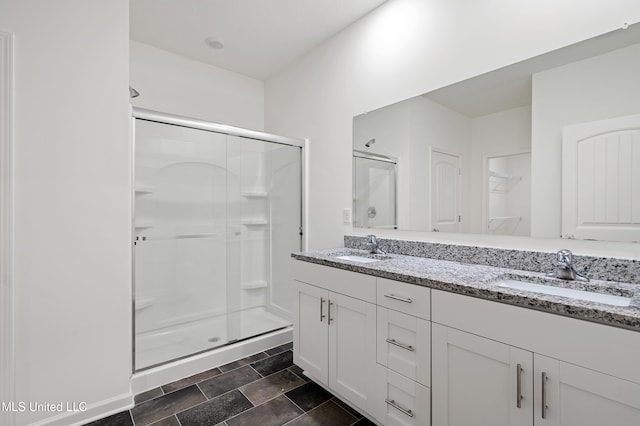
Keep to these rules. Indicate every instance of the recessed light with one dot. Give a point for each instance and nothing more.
(214, 43)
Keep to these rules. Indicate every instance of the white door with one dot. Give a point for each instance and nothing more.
(352, 349)
(445, 192)
(578, 396)
(310, 332)
(477, 381)
(601, 179)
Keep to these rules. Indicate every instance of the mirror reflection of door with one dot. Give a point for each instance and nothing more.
(445, 192)
(374, 201)
(509, 194)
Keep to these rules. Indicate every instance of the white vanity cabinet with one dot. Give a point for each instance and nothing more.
(335, 331)
(488, 356)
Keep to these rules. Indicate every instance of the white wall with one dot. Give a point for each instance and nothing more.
(72, 204)
(574, 93)
(174, 84)
(402, 49)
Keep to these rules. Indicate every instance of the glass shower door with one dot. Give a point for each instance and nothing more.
(264, 222)
(180, 242)
(216, 219)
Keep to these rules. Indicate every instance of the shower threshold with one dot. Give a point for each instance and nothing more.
(165, 345)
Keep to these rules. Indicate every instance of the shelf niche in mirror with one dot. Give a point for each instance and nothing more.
(519, 109)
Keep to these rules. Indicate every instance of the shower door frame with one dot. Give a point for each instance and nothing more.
(191, 123)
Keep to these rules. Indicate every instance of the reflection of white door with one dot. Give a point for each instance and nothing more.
(445, 192)
(601, 179)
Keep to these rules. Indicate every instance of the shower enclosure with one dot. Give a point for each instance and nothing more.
(374, 191)
(217, 212)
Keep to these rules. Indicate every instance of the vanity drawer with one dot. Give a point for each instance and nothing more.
(401, 401)
(404, 344)
(408, 298)
(349, 283)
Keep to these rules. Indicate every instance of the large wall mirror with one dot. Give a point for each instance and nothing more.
(548, 147)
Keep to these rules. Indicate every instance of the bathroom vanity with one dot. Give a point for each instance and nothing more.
(417, 341)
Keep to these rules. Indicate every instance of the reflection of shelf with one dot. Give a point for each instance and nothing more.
(141, 190)
(143, 304)
(253, 285)
(254, 194)
(255, 222)
(179, 237)
(144, 224)
(495, 223)
(502, 183)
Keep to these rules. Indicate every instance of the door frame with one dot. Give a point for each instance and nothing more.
(7, 182)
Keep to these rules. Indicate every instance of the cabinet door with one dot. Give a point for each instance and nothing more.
(400, 401)
(310, 332)
(475, 381)
(352, 349)
(404, 344)
(578, 396)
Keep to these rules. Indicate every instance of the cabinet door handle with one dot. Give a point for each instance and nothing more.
(392, 403)
(329, 313)
(544, 407)
(322, 316)
(401, 345)
(402, 299)
(519, 386)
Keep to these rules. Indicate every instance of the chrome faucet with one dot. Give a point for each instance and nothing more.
(565, 269)
(372, 244)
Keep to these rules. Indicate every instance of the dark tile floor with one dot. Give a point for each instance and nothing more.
(265, 389)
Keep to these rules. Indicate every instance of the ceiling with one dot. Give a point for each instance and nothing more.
(260, 37)
(510, 87)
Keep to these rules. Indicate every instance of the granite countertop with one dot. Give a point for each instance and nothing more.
(480, 281)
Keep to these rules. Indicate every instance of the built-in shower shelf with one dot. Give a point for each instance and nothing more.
(255, 194)
(255, 222)
(141, 190)
(143, 304)
(144, 224)
(253, 285)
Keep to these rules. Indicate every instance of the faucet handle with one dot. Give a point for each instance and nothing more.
(564, 257)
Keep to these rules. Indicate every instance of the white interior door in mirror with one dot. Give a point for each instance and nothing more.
(601, 180)
(445, 192)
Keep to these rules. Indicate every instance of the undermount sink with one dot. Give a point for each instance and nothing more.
(571, 293)
(359, 259)
(360, 256)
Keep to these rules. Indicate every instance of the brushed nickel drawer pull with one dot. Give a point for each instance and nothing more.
(544, 395)
(402, 299)
(519, 386)
(322, 316)
(392, 403)
(400, 345)
(329, 313)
